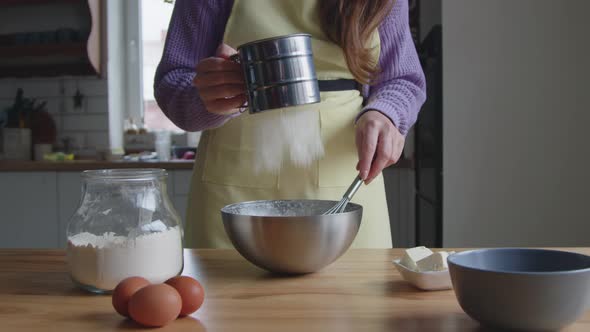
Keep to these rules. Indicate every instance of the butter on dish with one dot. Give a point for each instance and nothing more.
(425, 269)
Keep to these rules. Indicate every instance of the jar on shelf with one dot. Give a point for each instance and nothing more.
(130, 127)
(125, 226)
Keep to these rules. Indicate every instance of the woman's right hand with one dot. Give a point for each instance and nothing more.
(220, 82)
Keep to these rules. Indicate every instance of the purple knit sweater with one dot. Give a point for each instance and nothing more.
(197, 28)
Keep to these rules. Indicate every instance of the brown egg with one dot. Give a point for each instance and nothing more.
(155, 305)
(190, 291)
(123, 292)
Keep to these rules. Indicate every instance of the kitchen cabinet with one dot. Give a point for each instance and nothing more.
(180, 204)
(29, 210)
(36, 206)
(69, 190)
(182, 181)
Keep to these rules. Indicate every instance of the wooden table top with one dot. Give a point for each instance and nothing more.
(361, 291)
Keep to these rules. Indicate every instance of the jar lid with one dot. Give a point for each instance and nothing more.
(126, 174)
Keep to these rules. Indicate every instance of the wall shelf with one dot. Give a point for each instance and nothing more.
(7, 3)
(70, 49)
(73, 57)
(63, 69)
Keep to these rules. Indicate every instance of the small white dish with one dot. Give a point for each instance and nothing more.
(432, 280)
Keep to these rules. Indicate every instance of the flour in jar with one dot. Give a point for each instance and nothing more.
(102, 261)
(288, 135)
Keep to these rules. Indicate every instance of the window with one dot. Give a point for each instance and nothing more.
(155, 16)
(136, 32)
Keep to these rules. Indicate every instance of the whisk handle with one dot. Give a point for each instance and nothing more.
(354, 187)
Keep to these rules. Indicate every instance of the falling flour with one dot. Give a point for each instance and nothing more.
(102, 261)
(288, 135)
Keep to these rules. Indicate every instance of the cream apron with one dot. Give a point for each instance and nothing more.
(223, 171)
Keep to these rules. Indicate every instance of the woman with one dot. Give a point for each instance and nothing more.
(199, 89)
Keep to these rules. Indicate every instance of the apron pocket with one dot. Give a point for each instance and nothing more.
(338, 167)
(337, 170)
(233, 166)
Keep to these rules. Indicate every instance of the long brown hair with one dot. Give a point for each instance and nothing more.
(350, 24)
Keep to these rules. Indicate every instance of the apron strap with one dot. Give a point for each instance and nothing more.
(338, 85)
(342, 85)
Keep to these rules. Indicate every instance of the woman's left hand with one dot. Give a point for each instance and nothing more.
(379, 144)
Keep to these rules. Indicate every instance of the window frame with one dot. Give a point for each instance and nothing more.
(134, 56)
(124, 61)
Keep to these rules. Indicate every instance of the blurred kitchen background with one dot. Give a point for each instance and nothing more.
(499, 156)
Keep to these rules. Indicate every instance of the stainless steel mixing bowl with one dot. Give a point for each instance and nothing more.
(291, 236)
(522, 289)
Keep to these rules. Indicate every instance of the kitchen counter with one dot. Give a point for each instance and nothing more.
(81, 165)
(78, 166)
(361, 291)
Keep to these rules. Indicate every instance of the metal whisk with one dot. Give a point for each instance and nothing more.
(341, 206)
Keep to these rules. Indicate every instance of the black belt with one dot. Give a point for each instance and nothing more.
(339, 85)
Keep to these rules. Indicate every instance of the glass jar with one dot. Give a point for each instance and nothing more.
(125, 226)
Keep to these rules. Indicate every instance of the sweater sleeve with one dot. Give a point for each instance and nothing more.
(401, 88)
(195, 31)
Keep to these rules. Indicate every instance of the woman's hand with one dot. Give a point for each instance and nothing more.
(379, 144)
(220, 82)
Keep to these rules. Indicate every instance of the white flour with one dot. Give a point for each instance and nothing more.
(291, 134)
(103, 261)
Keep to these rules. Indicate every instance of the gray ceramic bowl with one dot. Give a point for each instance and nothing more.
(291, 236)
(523, 289)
